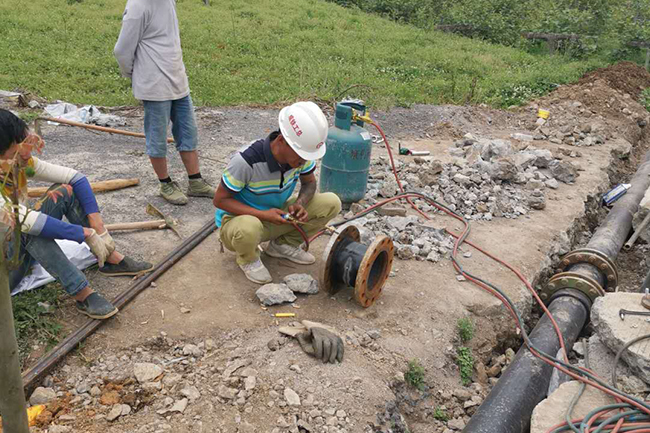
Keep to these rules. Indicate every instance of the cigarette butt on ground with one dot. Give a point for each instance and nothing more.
(284, 315)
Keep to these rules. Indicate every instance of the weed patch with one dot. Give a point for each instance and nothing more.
(34, 320)
(414, 376)
(465, 361)
(465, 329)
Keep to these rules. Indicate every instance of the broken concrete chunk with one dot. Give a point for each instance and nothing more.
(42, 396)
(552, 183)
(563, 171)
(191, 392)
(301, 283)
(543, 157)
(115, 413)
(615, 333)
(522, 137)
(226, 392)
(552, 411)
(179, 406)
(275, 294)
(292, 397)
(146, 371)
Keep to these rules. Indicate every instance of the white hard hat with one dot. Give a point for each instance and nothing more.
(304, 127)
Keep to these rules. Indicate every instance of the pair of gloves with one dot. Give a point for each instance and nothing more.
(317, 340)
(101, 246)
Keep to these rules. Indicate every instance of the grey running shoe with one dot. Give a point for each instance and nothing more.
(257, 272)
(127, 267)
(200, 188)
(96, 306)
(171, 192)
(289, 252)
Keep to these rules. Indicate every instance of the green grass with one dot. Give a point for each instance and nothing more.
(414, 375)
(269, 52)
(440, 415)
(465, 329)
(32, 322)
(465, 361)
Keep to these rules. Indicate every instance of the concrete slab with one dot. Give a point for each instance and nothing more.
(615, 333)
(552, 411)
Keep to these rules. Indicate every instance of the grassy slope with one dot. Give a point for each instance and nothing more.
(267, 52)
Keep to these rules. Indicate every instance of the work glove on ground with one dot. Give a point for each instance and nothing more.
(108, 240)
(97, 247)
(317, 340)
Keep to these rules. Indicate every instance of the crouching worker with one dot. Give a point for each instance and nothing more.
(253, 198)
(70, 196)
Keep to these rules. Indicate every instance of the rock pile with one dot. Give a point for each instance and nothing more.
(488, 178)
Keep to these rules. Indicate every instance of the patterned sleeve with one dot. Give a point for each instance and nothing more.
(308, 168)
(237, 175)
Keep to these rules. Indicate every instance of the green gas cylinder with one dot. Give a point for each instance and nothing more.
(345, 166)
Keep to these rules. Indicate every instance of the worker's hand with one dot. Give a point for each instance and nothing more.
(322, 344)
(108, 240)
(97, 246)
(298, 212)
(275, 216)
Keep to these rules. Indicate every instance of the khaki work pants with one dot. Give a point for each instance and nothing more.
(242, 234)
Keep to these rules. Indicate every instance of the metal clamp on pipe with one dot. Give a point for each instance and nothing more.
(349, 263)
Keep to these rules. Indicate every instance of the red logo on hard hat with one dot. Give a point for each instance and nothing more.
(319, 145)
(294, 125)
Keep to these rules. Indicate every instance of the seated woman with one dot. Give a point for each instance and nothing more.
(70, 196)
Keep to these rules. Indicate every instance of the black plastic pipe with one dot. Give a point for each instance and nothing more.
(512, 400)
(510, 404)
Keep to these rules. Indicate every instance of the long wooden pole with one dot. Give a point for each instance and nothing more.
(102, 186)
(98, 128)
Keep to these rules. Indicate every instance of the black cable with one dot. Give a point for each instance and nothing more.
(620, 352)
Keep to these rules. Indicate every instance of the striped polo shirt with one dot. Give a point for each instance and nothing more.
(256, 179)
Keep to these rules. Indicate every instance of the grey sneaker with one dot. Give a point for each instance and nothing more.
(294, 254)
(257, 272)
(127, 266)
(200, 188)
(171, 192)
(96, 306)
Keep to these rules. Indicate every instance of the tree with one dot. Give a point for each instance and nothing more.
(12, 394)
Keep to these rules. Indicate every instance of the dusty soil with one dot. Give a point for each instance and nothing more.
(414, 319)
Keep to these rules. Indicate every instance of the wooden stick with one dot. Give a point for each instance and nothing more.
(103, 186)
(98, 128)
(144, 225)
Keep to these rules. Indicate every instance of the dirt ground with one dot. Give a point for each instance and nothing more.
(414, 319)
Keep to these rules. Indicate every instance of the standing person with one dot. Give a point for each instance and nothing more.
(70, 196)
(148, 52)
(253, 203)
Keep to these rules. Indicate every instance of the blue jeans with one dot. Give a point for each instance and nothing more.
(157, 115)
(46, 252)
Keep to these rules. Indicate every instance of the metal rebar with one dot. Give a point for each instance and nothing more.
(31, 376)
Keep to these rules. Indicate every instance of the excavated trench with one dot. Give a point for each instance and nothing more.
(408, 405)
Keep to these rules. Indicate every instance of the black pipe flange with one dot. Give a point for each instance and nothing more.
(596, 258)
(349, 263)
